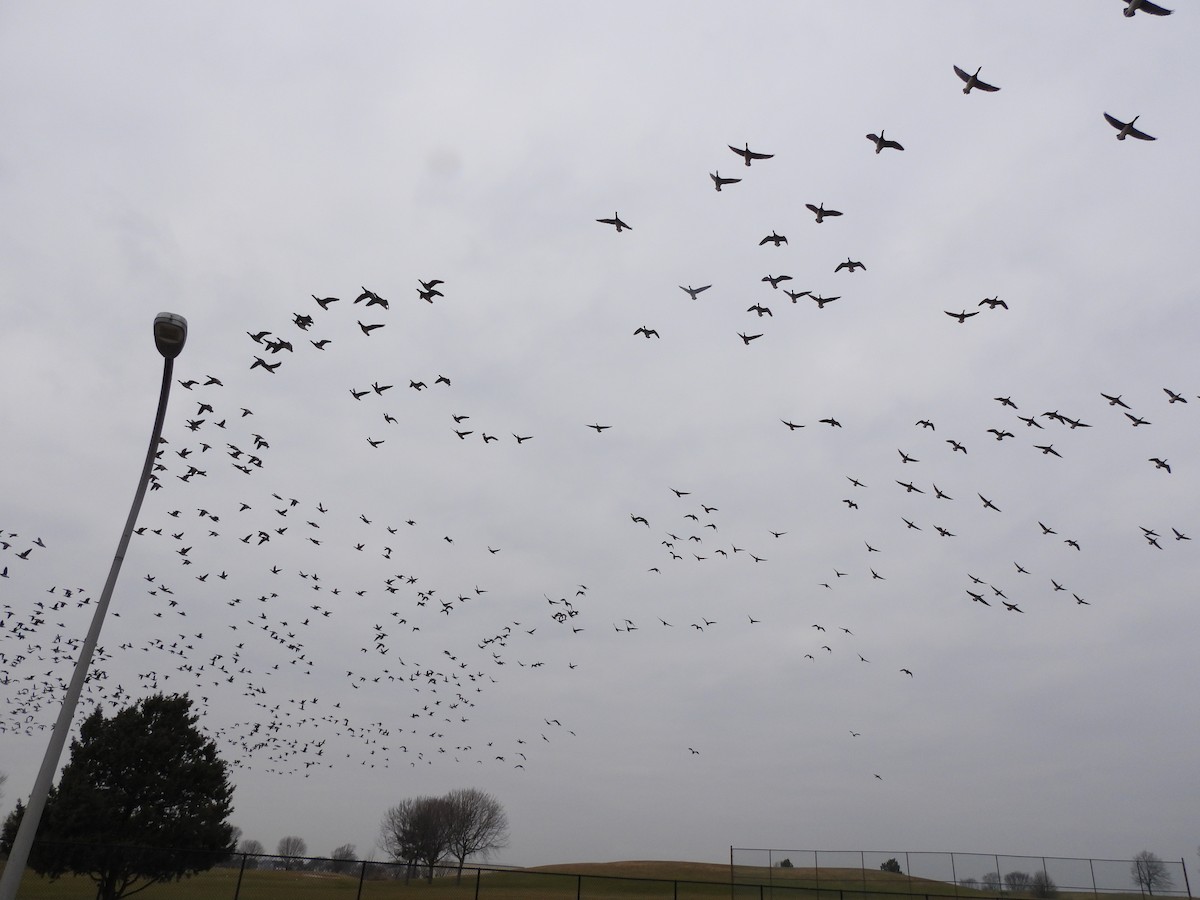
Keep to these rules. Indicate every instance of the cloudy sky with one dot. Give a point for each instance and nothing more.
(443, 611)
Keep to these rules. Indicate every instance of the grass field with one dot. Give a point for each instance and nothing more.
(652, 880)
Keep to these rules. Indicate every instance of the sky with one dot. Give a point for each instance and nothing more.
(689, 629)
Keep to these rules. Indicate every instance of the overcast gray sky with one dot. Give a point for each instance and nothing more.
(228, 163)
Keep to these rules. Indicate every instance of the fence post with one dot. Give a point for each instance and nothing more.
(237, 891)
(362, 876)
(477, 874)
(578, 886)
(1187, 884)
(908, 869)
(954, 873)
(1092, 869)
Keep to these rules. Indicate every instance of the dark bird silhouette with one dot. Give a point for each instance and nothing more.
(1136, 420)
(993, 302)
(1136, 6)
(1174, 397)
(1047, 449)
(939, 494)
(796, 295)
(1030, 421)
(1160, 464)
(761, 310)
(599, 428)
(747, 338)
(522, 438)
(1127, 129)
(616, 222)
(773, 238)
(774, 280)
(849, 265)
(831, 422)
(321, 344)
(1046, 529)
(881, 143)
(367, 329)
(988, 504)
(821, 212)
(648, 332)
(1114, 401)
(972, 81)
(325, 301)
(693, 292)
(720, 182)
(260, 363)
(1000, 433)
(961, 316)
(955, 445)
(304, 322)
(821, 301)
(792, 426)
(749, 155)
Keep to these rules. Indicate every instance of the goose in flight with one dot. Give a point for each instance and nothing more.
(972, 81)
(961, 316)
(1136, 6)
(882, 143)
(694, 291)
(748, 155)
(821, 212)
(648, 332)
(615, 221)
(850, 265)
(1127, 129)
(993, 302)
(773, 238)
(721, 182)
(747, 338)
(1160, 464)
(1114, 401)
(775, 279)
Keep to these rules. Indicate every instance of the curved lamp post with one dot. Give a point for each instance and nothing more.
(170, 334)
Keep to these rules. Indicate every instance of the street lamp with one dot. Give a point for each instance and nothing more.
(170, 334)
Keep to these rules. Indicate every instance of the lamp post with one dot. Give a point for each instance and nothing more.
(170, 334)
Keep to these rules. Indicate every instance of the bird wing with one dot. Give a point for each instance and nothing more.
(1140, 135)
(984, 86)
(1154, 10)
(961, 74)
(1115, 123)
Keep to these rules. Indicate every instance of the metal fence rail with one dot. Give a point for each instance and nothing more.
(953, 874)
(754, 874)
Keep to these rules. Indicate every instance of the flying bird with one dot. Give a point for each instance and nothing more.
(992, 302)
(648, 332)
(821, 212)
(367, 329)
(747, 338)
(616, 222)
(773, 238)
(972, 81)
(882, 143)
(849, 265)
(694, 291)
(961, 316)
(748, 155)
(1136, 6)
(1127, 129)
(720, 182)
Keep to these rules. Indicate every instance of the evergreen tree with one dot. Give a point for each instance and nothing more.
(144, 798)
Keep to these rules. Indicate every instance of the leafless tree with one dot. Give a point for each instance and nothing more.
(291, 846)
(1042, 886)
(251, 850)
(1016, 881)
(416, 831)
(1150, 872)
(478, 825)
(343, 858)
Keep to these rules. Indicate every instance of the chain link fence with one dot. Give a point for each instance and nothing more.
(881, 874)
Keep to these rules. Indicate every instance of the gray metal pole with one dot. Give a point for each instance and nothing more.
(19, 855)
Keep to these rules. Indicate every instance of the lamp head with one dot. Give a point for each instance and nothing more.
(170, 334)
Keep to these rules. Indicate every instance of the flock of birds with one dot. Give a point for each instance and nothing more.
(243, 604)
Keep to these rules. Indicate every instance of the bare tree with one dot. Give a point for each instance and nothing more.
(343, 858)
(991, 881)
(251, 850)
(416, 831)
(478, 825)
(1150, 872)
(1017, 881)
(1042, 886)
(289, 847)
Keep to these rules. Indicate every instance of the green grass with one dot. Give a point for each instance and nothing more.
(650, 880)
